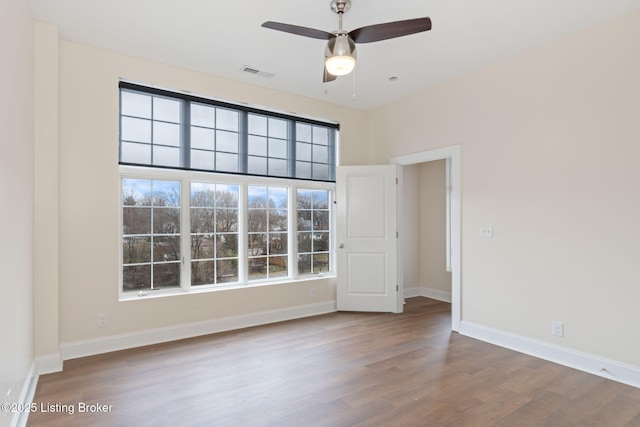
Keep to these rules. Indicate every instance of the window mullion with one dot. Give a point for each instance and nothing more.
(243, 142)
(292, 227)
(185, 234)
(243, 234)
(185, 135)
(291, 149)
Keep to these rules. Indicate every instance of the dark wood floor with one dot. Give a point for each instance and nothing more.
(339, 369)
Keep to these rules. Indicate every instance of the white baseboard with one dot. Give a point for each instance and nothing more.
(92, 347)
(428, 293)
(411, 292)
(610, 369)
(19, 419)
(49, 364)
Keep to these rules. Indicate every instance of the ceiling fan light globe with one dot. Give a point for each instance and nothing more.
(340, 65)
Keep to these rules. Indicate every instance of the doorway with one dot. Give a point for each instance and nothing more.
(451, 155)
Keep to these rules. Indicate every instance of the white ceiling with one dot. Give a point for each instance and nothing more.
(220, 37)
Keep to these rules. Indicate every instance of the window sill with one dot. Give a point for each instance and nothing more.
(161, 293)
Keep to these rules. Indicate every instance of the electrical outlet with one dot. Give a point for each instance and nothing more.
(486, 231)
(312, 292)
(102, 320)
(557, 329)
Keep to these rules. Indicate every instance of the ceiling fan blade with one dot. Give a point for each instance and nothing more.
(390, 30)
(327, 76)
(298, 30)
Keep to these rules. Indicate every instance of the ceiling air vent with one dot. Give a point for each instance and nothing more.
(251, 70)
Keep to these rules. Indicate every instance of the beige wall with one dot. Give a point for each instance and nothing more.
(89, 196)
(16, 194)
(550, 158)
(432, 181)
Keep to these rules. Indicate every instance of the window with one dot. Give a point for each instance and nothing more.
(214, 233)
(150, 234)
(217, 195)
(167, 129)
(313, 231)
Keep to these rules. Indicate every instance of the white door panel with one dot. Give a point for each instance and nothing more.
(367, 239)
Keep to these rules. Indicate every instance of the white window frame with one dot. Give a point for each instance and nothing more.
(243, 181)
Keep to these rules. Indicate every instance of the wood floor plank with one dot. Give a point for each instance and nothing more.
(338, 369)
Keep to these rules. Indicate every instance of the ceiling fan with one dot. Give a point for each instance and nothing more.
(340, 53)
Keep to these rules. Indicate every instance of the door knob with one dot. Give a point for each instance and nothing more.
(340, 246)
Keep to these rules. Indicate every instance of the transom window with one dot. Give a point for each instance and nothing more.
(167, 129)
(218, 195)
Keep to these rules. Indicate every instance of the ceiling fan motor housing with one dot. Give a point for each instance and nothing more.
(340, 6)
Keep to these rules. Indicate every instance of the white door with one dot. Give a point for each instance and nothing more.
(367, 241)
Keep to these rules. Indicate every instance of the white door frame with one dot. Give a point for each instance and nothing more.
(452, 155)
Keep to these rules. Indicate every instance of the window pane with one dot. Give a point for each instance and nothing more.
(320, 263)
(226, 196)
(167, 110)
(278, 220)
(305, 198)
(277, 243)
(303, 132)
(277, 148)
(304, 242)
(136, 130)
(321, 199)
(303, 170)
(257, 268)
(136, 192)
(203, 115)
(166, 193)
(202, 220)
(203, 195)
(278, 197)
(304, 264)
(136, 220)
(258, 145)
(278, 266)
(257, 244)
(320, 154)
(166, 134)
(136, 277)
(202, 246)
(202, 272)
(226, 220)
(257, 220)
(166, 156)
(257, 125)
(320, 135)
(227, 246)
(303, 151)
(166, 275)
(304, 220)
(257, 165)
(166, 220)
(227, 271)
(320, 171)
(277, 167)
(227, 162)
(257, 197)
(135, 153)
(136, 250)
(277, 128)
(320, 242)
(321, 220)
(227, 119)
(203, 138)
(227, 141)
(203, 159)
(166, 248)
(135, 104)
